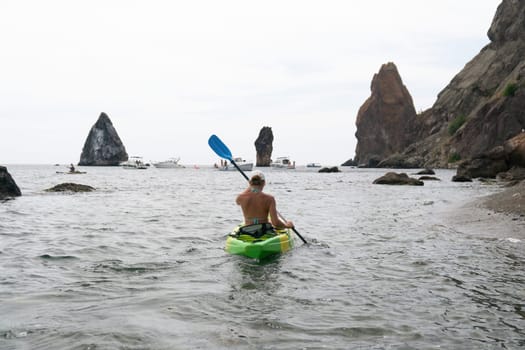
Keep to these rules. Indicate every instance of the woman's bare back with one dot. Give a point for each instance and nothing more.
(255, 207)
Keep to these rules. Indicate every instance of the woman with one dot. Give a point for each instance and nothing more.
(258, 207)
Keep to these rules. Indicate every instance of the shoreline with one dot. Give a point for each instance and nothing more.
(510, 201)
(497, 216)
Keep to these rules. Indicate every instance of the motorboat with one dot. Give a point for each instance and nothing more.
(283, 163)
(241, 163)
(134, 162)
(171, 163)
(313, 165)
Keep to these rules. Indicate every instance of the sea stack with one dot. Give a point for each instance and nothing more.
(103, 146)
(264, 147)
(8, 187)
(385, 121)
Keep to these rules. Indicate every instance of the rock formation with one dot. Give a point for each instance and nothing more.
(426, 171)
(349, 162)
(264, 147)
(461, 178)
(385, 121)
(103, 145)
(8, 186)
(487, 165)
(513, 176)
(428, 178)
(333, 169)
(515, 151)
(392, 178)
(70, 187)
(488, 93)
(496, 161)
(481, 108)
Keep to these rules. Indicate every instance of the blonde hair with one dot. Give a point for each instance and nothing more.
(256, 180)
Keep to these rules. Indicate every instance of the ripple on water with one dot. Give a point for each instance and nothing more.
(140, 263)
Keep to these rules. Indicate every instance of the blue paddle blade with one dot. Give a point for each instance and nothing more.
(219, 147)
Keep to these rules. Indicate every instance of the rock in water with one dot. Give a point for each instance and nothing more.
(70, 187)
(8, 187)
(103, 145)
(385, 121)
(264, 147)
(392, 178)
(333, 169)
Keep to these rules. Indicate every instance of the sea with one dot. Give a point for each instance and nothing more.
(139, 263)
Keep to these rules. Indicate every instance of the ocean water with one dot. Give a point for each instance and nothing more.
(139, 264)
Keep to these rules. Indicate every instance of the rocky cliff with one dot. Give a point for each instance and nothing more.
(385, 121)
(103, 146)
(264, 147)
(481, 108)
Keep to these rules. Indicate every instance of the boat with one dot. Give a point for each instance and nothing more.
(71, 172)
(283, 163)
(313, 165)
(171, 163)
(241, 163)
(270, 243)
(134, 162)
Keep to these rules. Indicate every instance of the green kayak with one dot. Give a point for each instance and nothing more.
(260, 244)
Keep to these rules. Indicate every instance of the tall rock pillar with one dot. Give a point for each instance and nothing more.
(264, 147)
(386, 121)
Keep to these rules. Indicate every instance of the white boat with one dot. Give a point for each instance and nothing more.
(241, 163)
(134, 162)
(171, 163)
(283, 163)
(313, 165)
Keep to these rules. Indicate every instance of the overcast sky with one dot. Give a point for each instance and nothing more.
(171, 73)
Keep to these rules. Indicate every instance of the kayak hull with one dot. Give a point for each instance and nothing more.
(269, 244)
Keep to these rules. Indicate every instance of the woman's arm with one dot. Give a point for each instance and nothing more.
(274, 216)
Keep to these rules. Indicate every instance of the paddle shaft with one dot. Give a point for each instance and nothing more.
(240, 170)
(247, 179)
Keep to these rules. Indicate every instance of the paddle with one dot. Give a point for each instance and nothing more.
(224, 152)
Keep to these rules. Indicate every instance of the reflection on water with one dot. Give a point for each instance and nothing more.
(257, 276)
(139, 264)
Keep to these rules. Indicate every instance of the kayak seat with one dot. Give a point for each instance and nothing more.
(256, 230)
